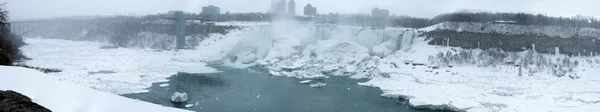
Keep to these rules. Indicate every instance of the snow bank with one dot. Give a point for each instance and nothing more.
(135, 69)
(62, 96)
(510, 29)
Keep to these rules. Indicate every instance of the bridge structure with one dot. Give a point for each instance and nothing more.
(112, 27)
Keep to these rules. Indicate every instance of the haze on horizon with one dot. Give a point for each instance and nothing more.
(35, 9)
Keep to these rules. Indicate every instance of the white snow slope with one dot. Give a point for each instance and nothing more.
(60, 96)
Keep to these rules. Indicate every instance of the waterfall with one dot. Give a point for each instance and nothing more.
(407, 38)
(259, 43)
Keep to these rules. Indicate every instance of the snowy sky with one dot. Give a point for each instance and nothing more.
(31, 9)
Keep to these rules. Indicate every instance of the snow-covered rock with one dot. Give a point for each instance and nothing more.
(179, 97)
(63, 96)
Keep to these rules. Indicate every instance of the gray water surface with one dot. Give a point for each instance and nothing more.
(254, 90)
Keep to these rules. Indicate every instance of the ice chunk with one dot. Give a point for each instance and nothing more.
(179, 97)
(189, 105)
(163, 85)
(305, 81)
(318, 85)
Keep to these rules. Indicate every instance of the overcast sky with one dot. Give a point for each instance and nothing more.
(32, 9)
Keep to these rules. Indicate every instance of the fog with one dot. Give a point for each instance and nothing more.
(32, 9)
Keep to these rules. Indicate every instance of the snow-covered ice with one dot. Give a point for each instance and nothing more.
(135, 69)
(63, 96)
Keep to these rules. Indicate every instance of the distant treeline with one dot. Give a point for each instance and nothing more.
(506, 18)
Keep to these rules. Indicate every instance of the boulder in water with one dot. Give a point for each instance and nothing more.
(179, 97)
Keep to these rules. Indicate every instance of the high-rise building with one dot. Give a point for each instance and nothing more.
(380, 12)
(292, 8)
(309, 10)
(211, 12)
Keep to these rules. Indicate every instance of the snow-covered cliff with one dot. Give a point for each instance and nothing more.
(511, 29)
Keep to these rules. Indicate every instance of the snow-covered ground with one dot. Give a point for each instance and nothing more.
(61, 96)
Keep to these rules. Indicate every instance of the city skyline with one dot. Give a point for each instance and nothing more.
(32, 9)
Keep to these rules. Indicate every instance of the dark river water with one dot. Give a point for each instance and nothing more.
(254, 90)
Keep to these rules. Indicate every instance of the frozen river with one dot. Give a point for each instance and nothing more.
(252, 89)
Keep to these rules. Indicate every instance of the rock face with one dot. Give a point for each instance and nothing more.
(179, 97)
(11, 101)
